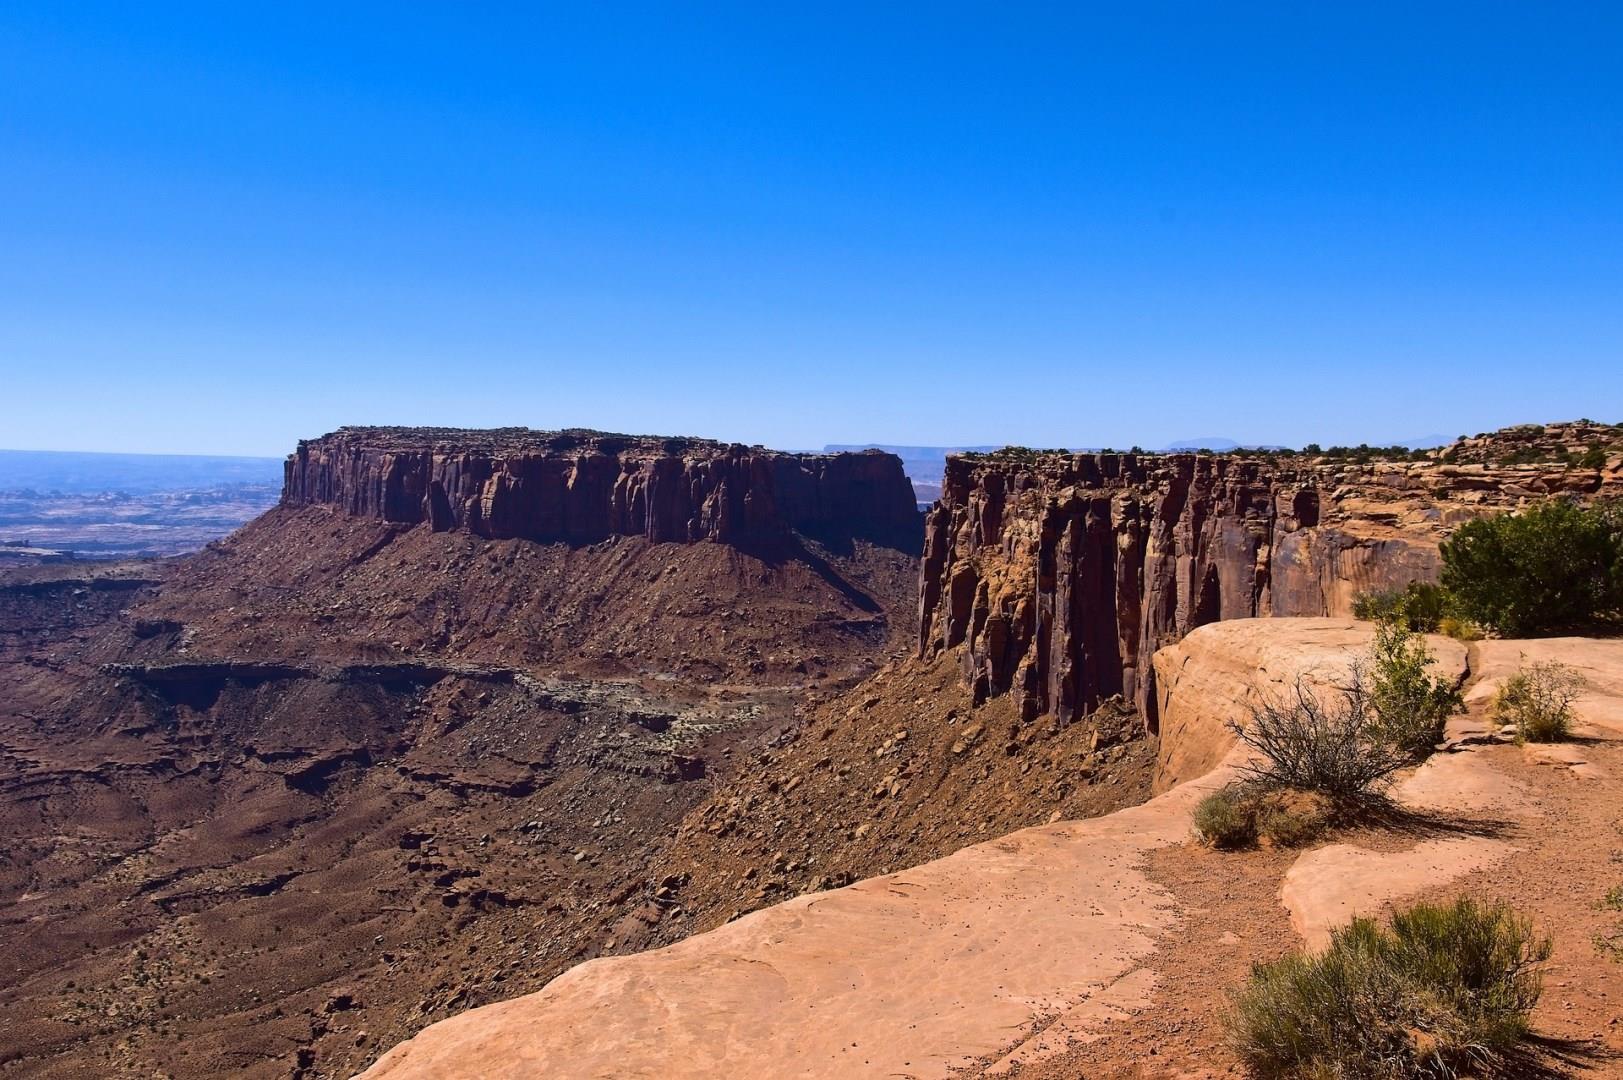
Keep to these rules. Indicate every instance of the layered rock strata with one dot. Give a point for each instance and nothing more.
(1061, 574)
(585, 486)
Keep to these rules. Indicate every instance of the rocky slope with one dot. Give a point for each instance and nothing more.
(1061, 574)
(344, 772)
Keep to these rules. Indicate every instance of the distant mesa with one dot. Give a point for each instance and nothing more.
(62, 504)
(72, 472)
(582, 486)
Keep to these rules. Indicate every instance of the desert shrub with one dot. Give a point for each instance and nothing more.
(1240, 814)
(1553, 566)
(1420, 605)
(1227, 819)
(1446, 989)
(1376, 605)
(1459, 629)
(1293, 818)
(1593, 457)
(1423, 606)
(1538, 700)
(1310, 744)
(1408, 706)
(1610, 942)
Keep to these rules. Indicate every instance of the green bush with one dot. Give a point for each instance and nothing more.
(1377, 605)
(1554, 566)
(1420, 605)
(1447, 989)
(1227, 819)
(1409, 707)
(1309, 744)
(1240, 814)
(1538, 700)
(1293, 819)
(1459, 629)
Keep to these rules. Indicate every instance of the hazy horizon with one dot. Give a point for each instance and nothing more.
(1216, 442)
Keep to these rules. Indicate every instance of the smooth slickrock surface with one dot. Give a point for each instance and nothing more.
(912, 974)
(1212, 678)
(1326, 888)
(1599, 704)
(1454, 782)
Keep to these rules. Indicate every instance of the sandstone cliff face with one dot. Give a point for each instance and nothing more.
(583, 486)
(1061, 574)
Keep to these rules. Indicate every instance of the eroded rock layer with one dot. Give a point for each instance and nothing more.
(585, 486)
(1061, 574)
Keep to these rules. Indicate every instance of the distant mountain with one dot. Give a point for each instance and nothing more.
(1424, 442)
(77, 473)
(1203, 442)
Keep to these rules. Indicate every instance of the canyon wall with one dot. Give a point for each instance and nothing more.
(583, 486)
(1061, 574)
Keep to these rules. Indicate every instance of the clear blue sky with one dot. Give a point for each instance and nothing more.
(226, 226)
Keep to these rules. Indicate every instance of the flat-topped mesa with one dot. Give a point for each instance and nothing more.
(1061, 574)
(583, 486)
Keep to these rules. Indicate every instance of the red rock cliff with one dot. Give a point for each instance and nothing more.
(583, 486)
(1061, 574)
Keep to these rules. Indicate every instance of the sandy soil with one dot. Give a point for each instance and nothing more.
(1559, 832)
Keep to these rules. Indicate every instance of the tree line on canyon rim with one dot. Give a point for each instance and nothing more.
(1597, 442)
(1446, 989)
(1555, 567)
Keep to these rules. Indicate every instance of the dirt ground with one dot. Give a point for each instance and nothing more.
(1568, 832)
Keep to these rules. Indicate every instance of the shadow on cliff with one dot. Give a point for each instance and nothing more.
(841, 542)
(809, 550)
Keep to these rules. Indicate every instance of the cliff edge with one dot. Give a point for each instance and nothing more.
(584, 486)
(1061, 574)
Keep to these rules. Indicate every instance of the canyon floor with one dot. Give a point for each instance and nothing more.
(1105, 947)
(278, 806)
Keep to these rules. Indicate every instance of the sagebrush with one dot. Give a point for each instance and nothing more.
(1227, 819)
(1538, 701)
(1420, 605)
(1446, 990)
(1238, 815)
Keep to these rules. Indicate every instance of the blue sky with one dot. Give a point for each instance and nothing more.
(224, 227)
